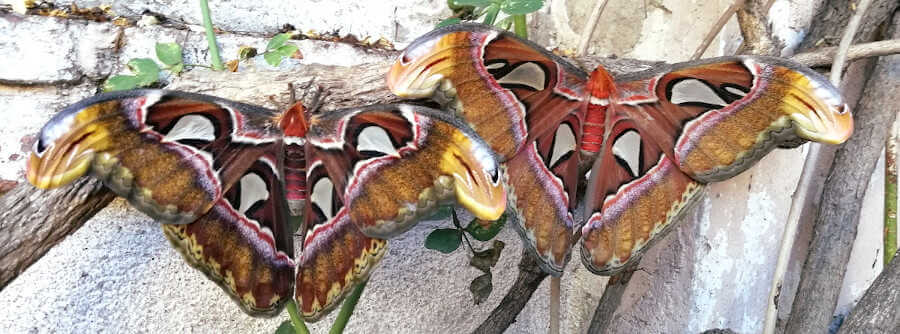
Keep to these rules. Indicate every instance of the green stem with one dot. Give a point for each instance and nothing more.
(347, 309)
(519, 25)
(491, 15)
(890, 194)
(211, 37)
(299, 326)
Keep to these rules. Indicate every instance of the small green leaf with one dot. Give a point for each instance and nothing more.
(448, 22)
(442, 213)
(481, 288)
(285, 328)
(277, 41)
(120, 82)
(491, 14)
(273, 58)
(444, 240)
(486, 259)
(146, 70)
(517, 7)
(287, 50)
(177, 68)
(480, 232)
(476, 3)
(169, 53)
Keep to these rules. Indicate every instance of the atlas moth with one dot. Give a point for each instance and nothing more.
(519, 130)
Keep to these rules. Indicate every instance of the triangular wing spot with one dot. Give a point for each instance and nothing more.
(322, 197)
(563, 144)
(375, 141)
(694, 92)
(192, 127)
(529, 75)
(627, 148)
(253, 190)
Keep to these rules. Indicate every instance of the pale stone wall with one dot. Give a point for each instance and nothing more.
(118, 273)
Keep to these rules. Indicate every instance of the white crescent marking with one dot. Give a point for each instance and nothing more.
(692, 90)
(628, 147)
(253, 189)
(321, 196)
(192, 127)
(528, 74)
(374, 138)
(564, 143)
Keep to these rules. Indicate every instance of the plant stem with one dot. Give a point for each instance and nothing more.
(519, 26)
(211, 37)
(890, 193)
(299, 326)
(347, 309)
(491, 15)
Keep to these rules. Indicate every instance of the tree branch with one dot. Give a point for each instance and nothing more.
(714, 31)
(32, 221)
(836, 222)
(825, 56)
(530, 277)
(877, 311)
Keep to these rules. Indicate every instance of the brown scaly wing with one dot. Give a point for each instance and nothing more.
(509, 90)
(715, 118)
(372, 172)
(211, 165)
(542, 183)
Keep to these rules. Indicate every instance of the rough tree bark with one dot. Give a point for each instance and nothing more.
(502, 316)
(32, 221)
(877, 312)
(836, 222)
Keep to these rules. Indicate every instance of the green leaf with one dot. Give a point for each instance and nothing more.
(480, 232)
(442, 213)
(481, 288)
(169, 53)
(448, 22)
(476, 3)
(277, 41)
(486, 259)
(177, 68)
(491, 14)
(444, 240)
(146, 70)
(287, 50)
(246, 52)
(120, 82)
(285, 328)
(274, 57)
(518, 7)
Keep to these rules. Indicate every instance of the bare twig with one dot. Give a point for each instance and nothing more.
(554, 305)
(826, 55)
(714, 31)
(530, 277)
(836, 223)
(591, 26)
(891, 147)
(841, 57)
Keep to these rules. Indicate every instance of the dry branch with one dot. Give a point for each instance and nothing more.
(33, 221)
(825, 56)
(530, 277)
(877, 311)
(714, 31)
